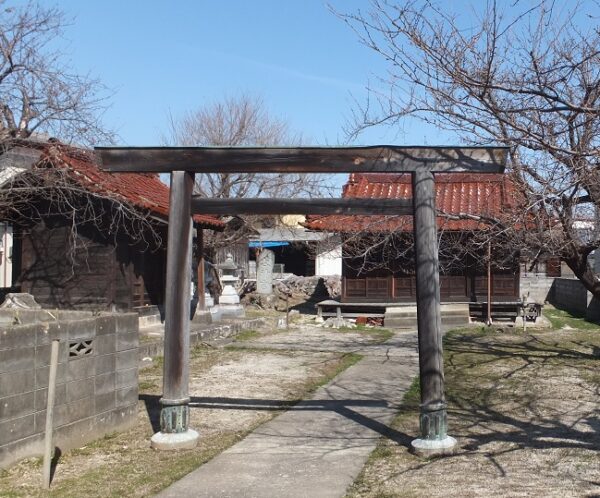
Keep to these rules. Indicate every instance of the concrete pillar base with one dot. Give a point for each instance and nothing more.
(428, 448)
(175, 440)
(202, 316)
(229, 311)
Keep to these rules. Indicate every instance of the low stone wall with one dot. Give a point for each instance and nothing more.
(570, 294)
(213, 332)
(97, 378)
(148, 315)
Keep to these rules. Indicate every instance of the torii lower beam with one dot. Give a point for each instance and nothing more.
(202, 205)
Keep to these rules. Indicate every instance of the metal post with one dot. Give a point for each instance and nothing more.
(174, 415)
(433, 418)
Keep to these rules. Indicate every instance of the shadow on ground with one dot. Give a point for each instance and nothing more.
(343, 406)
(527, 424)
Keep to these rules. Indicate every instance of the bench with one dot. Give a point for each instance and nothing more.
(331, 308)
(506, 310)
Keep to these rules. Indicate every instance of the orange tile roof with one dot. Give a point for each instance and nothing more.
(143, 190)
(457, 195)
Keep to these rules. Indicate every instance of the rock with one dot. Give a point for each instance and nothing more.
(336, 323)
(20, 300)
(267, 301)
(316, 288)
(293, 290)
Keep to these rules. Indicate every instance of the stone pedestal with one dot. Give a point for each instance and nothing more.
(228, 311)
(177, 441)
(229, 302)
(428, 448)
(229, 294)
(202, 316)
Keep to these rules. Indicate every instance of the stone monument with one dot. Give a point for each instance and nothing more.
(265, 260)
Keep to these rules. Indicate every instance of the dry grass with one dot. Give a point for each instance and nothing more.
(125, 465)
(525, 411)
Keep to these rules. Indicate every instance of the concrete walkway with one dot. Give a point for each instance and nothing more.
(317, 448)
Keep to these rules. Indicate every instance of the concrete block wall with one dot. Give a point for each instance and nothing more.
(536, 286)
(97, 378)
(570, 294)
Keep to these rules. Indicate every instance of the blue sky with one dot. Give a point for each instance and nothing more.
(163, 57)
(160, 57)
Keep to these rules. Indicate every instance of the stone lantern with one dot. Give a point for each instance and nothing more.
(229, 301)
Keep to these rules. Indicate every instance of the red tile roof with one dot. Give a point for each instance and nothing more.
(145, 191)
(457, 194)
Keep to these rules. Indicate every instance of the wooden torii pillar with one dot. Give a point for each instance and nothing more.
(433, 420)
(421, 162)
(174, 414)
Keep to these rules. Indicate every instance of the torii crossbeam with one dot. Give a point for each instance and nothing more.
(183, 162)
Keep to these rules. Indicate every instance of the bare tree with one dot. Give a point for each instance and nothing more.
(236, 122)
(41, 97)
(39, 92)
(523, 74)
(243, 120)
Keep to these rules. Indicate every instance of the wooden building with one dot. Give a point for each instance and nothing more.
(93, 253)
(386, 275)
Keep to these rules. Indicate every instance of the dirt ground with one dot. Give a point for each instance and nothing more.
(306, 336)
(232, 391)
(525, 409)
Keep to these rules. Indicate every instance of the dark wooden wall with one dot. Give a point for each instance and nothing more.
(87, 271)
(453, 288)
(388, 273)
(391, 279)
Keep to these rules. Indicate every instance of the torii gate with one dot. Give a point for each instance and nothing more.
(183, 162)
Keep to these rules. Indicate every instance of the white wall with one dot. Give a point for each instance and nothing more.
(329, 257)
(6, 239)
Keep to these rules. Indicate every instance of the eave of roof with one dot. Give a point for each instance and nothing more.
(144, 191)
(286, 234)
(458, 195)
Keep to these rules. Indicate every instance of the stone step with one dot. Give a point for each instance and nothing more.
(411, 323)
(406, 316)
(409, 314)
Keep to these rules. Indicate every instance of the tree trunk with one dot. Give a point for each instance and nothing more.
(580, 266)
